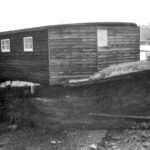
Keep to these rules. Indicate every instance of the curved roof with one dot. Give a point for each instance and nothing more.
(69, 25)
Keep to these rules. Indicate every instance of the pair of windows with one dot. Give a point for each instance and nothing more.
(102, 41)
(27, 41)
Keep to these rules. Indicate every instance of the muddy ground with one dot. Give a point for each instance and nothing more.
(12, 138)
(36, 138)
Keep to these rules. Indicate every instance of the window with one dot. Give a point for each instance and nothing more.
(5, 45)
(28, 44)
(102, 38)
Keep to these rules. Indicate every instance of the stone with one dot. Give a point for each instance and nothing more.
(147, 144)
(53, 142)
(59, 142)
(13, 127)
(92, 147)
(142, 148)
(112, 144)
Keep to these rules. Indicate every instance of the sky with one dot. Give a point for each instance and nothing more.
(19, 14)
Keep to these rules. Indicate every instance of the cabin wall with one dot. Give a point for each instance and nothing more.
(67, 52)
(123, 46)
(72, 52)
(20, 65)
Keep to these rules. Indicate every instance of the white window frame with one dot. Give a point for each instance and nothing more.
(24, 43)
(102, 37)
(2, 46)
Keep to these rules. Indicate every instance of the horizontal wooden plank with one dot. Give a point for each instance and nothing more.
(73, 67)
(117, 52)
(71, 43)
(74, 56)
(115, 58)
(120, 60)
(23, 75)
(72, 40)
(121, 33)
(73, 36)
(21, 53)
(123, 56)
(124, 41)
(70, 71)
(25, 63)
(120, 36)
(126, 29)
(72, 30)
(124, 45)
(85, 46)
(57, 51)
(66, 61)
(69, 77)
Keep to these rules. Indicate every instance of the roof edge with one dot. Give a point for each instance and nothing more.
(67, 25)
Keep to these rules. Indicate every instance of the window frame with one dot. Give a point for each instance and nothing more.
(5, 50)
(24, 44)
(104, 33)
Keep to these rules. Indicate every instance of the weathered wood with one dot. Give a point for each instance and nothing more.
(75, 49)
(20, 65)
(68, 50)
(123, 47)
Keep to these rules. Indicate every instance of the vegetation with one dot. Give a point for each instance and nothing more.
(15, 109)
(122, 68)
(116, 70)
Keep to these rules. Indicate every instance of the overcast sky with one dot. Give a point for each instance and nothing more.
(17, 14)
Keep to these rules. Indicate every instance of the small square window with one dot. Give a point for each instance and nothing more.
(5, 45)
(28, 44)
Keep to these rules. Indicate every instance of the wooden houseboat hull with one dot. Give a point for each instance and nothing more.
(63, 52)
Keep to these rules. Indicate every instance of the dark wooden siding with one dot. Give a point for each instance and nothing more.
(30, 66)
(67, 52)
(123, 46)
(72, 52)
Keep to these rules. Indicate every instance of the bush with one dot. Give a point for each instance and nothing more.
(2, 108)
(17, 110)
